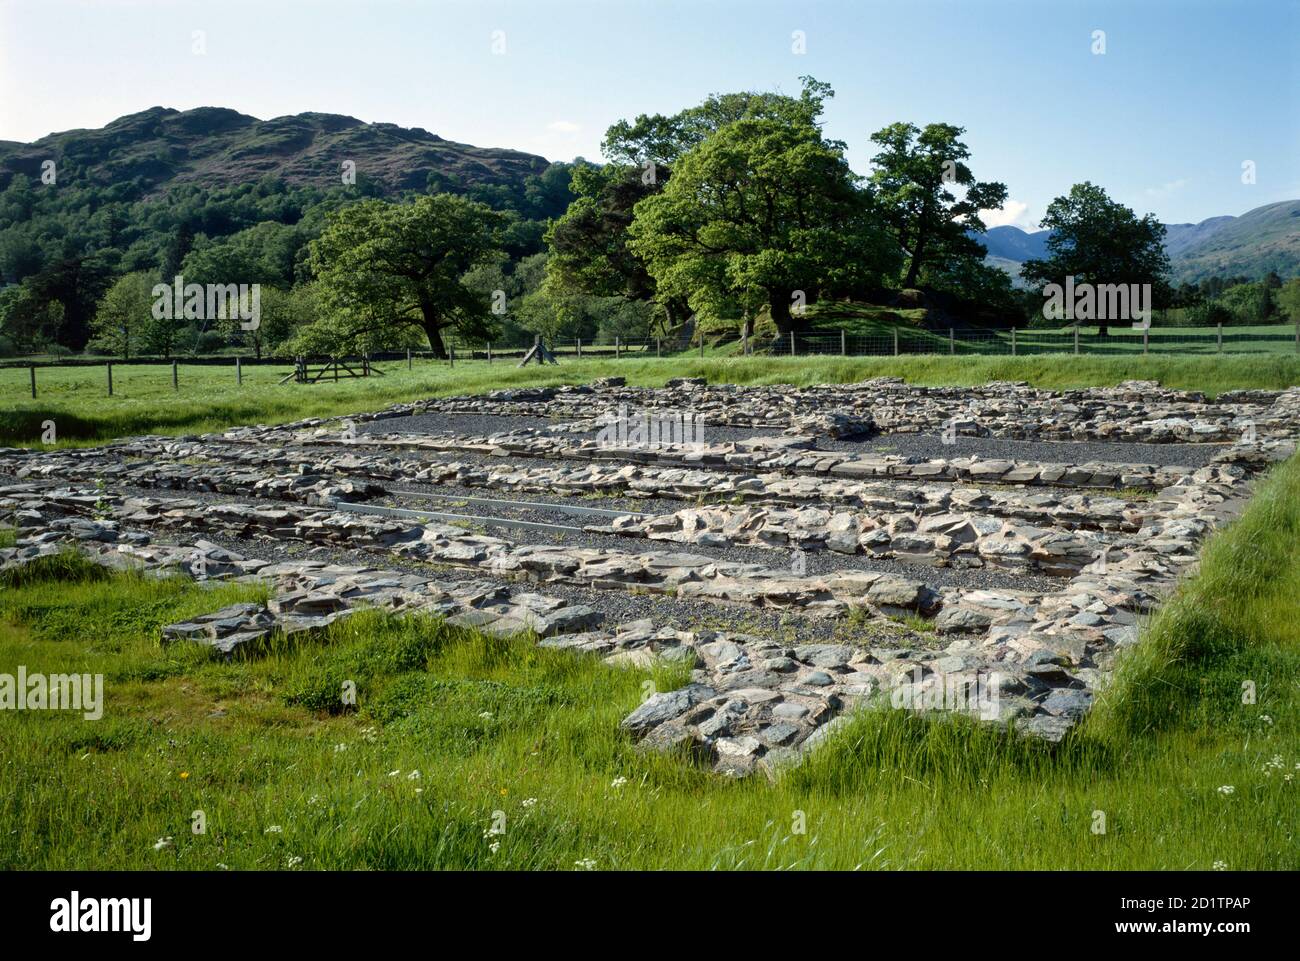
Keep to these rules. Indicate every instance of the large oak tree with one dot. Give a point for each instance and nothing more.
(760, 210)
(383, 266)
(914, 174)
(1098, 241)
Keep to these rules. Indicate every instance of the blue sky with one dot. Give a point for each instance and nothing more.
(1186, 91)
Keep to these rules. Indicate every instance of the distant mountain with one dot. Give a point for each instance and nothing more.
(215, 147)
(1266, 238)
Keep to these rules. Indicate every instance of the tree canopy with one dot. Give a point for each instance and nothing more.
(764, 210)
(383, 267)
(1098, 241)
(914, 173)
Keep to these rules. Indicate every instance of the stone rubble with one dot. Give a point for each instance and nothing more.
(1116, 536)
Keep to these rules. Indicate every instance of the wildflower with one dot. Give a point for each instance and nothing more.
(274, 829)
(162, 843)
(530, 802)
(185, 775)
(494, 846)
(485, 715)
(313, 800)
(1220, 866)
(586, 864)
(340, 748)
(618, 782)
(1227, 789)
(394, 773)
(1266, 719)
(413, 776)
(222, 867)
(293, 861)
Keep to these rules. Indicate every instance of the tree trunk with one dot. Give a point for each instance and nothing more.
(433, 330)
(914, 264)
(780, 308)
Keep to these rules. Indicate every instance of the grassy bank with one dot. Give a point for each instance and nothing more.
(209, 399)
(1182, 772)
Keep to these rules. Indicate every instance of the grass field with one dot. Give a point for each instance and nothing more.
(208, 399)
(456, 735)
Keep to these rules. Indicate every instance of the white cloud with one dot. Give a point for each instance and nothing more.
(1012, 214)
(1164, 190)
(564, 126)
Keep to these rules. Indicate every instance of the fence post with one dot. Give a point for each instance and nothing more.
(952, 342)
(451, 355)
(176, 380)
(701, 345)
(617, 346)
(1013, 341)
(579, 348)
(792, 348)
(408, 358)
(33, 380)
(844, 343)
(658, 347)
(1146, 338)
(1297, 337)
(1076, 339)
(489, 353)
(239, 373)
(895, 341)
(1219, 336)
(110, 378)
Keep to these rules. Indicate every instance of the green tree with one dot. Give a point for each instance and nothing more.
(385, 266)
(915, 172)
(125, 315)
(1098, 241)
(1249, 303)
(28, 320)
(763, 210)
(1288, 299)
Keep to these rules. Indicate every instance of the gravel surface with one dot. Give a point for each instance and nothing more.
(909, 445)
(617, 607)
(818, 562)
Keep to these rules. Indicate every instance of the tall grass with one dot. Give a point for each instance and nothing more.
(1171, 771)
(209, 399)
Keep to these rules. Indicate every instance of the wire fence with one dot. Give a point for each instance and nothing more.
(899, 342)
(1016, 342)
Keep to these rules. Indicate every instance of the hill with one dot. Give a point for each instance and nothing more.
(1260, 240)
(159, 148)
